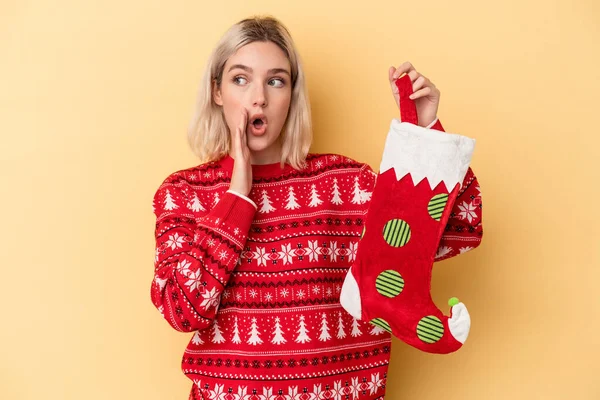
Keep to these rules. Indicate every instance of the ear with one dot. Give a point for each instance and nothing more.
(216, 93)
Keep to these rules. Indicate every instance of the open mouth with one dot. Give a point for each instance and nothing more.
(258, 124)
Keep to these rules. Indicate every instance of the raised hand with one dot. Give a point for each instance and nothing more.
(241, 176)
(425, 94)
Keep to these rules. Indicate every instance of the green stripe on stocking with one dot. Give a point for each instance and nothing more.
(396, 232)
(436, 205)
(389, 283)
(380, 322)
(430, 329)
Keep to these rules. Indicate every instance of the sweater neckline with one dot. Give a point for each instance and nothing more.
(258, 170)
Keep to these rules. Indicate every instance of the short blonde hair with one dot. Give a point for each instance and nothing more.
(208, 134)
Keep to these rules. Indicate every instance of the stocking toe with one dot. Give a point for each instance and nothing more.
(350, 296)
(460, 322)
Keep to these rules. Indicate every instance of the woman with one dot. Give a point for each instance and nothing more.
(253, 244)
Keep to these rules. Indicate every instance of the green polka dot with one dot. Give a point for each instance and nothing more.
(436, 205)
(380, 322)
(389, 283)
(396, 232)
(453, 301)
(430, 329)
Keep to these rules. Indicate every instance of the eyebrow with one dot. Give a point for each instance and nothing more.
(246, 68)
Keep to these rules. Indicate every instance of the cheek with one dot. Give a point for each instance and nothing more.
(282, 105)
(231, 108)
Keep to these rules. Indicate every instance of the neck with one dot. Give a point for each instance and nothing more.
(269, 155)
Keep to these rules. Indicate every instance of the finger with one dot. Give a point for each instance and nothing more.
(420, 93)
(243, 139)
(391, 71)
(244, 135)
(242, 124)
(406, 67)
(419, 83)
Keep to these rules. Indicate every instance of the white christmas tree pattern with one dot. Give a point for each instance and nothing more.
(278, 338)
(340, 333)
(302, 332)
(443, 251)
(336, 199)
(195, 205)
(170, 202)
(236, 332)
(376, 330)
(217, 335)
(314, 197)
(292, 203)
(254, 339)
(324, 329)
(360, 196)
(355, 329)
(265, 203)
(197, 340)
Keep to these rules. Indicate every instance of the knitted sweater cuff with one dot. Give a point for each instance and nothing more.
(232, 217)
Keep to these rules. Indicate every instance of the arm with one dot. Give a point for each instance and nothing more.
(195, 256)
(464, 230)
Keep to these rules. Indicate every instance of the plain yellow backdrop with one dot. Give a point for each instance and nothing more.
(95, 98)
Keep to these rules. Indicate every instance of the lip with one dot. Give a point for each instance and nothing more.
(258, 131)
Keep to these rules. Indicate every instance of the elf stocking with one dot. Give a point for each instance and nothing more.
(389, 282)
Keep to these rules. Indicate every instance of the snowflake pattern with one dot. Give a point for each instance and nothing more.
(175, 241)
(193, 282)
(211, 298)
(467, 211)
(353, 389)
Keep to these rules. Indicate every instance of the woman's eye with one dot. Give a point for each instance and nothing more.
(236, 79)
(281, 82)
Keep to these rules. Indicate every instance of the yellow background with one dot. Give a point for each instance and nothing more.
(95, 99)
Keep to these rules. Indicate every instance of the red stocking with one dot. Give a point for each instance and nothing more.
(389, 283)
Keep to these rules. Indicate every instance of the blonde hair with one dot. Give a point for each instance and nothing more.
(208, 134)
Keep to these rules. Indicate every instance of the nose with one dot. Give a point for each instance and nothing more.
(260, 98)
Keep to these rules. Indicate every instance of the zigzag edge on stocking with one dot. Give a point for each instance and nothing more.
(426, 153)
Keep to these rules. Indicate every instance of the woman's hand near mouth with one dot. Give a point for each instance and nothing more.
(241, 177)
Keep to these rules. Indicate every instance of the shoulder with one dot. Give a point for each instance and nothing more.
(202, 174)
(183, 183)
(334, 161)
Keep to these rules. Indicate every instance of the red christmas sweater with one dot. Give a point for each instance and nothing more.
(258, 278)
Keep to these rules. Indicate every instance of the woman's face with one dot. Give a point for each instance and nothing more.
(257, 79)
